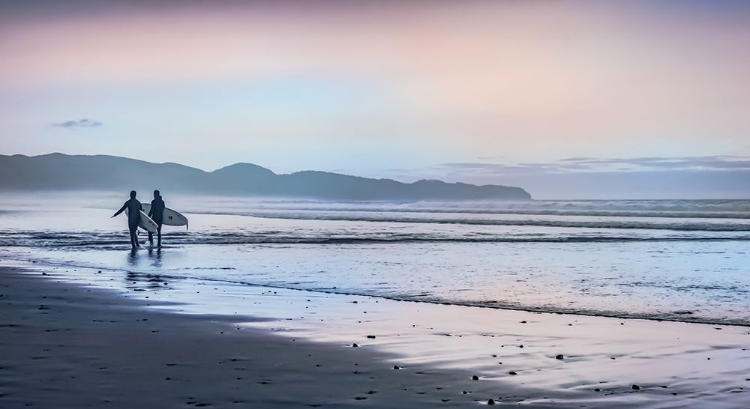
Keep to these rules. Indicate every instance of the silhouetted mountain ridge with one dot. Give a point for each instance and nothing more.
(58, 171)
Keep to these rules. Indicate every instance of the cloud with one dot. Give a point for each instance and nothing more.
(521, 168)
(675, 163)
(81, 123)
(594, 165)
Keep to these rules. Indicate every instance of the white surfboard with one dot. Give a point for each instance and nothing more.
(147, 224)
(170, 217)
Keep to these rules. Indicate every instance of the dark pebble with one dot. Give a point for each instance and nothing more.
(636, 387)
(371, 336)
(354, 345)
(560, 357)
(396, 367)
(475, 378)
(491, 401)
(512, 373)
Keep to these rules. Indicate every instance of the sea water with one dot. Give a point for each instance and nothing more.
(678, 260)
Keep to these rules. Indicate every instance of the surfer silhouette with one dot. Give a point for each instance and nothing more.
(156, 213)
(134, 216)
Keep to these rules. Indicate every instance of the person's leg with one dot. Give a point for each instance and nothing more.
(133, 226)
(151, 238)
(158, 232)
(133, 237)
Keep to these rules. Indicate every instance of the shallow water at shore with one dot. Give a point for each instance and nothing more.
(675, 260)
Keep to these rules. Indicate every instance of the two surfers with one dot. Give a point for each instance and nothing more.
(156, 213)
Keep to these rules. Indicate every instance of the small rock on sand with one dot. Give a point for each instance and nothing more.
(636, 387)
(560, 357)
(475, 378)
(490, 401)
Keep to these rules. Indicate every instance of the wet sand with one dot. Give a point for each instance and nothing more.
(68, 346)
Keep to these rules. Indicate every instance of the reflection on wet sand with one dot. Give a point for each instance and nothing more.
(140, 281)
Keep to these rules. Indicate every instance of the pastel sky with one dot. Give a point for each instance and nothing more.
(537, 92)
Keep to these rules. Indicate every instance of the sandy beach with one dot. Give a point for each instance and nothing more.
(70, 346)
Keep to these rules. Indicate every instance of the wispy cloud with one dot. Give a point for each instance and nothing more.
(587, 164)
(521, 168)
(80, 123)
(676, 163)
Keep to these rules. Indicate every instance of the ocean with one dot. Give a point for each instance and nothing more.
(677, 260)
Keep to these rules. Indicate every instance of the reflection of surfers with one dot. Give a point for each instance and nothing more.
(134, 216)
(156, 213)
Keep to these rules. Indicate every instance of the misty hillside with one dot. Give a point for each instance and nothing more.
(111, 173)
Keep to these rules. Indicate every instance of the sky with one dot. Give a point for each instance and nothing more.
(568, 99)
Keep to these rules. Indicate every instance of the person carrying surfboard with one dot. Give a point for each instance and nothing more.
(156, 213)
(134, 216)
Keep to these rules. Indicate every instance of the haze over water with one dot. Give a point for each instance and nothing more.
(675, 260)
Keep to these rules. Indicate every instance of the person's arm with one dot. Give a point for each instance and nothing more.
(121, 209)
(151, 210)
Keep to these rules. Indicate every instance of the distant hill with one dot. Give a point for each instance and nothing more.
(58, 172)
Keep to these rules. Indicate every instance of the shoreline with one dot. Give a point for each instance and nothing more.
(438, 349)
(681, 317)
(66, 346)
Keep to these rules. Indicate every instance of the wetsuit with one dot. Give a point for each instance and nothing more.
(157, 215)
(134, 216)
